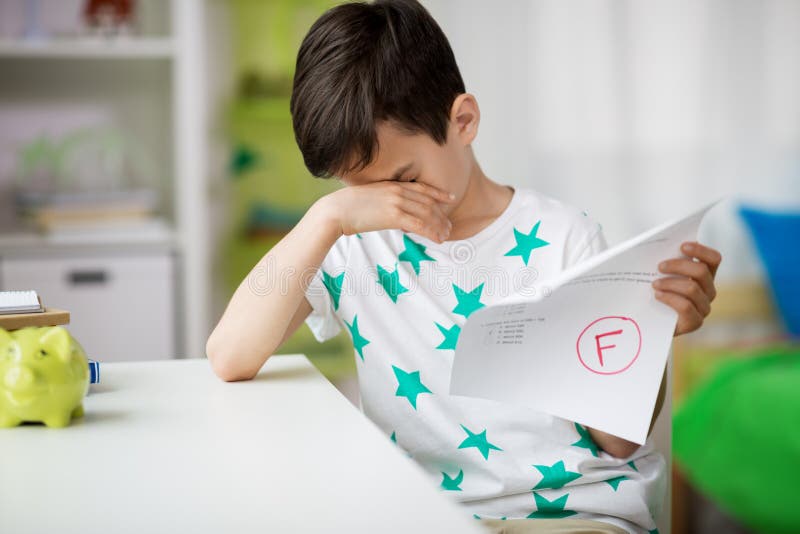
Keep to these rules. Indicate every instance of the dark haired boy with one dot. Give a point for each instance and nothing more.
(419, 239)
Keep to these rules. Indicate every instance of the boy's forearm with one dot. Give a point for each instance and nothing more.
(256, 318)
(622, 448)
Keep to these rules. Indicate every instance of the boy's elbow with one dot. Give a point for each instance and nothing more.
(613, 445)
(223, 362)
(621, 448)
(224, 370)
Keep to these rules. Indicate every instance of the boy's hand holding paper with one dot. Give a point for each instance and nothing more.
(592, 344)
(690, 292)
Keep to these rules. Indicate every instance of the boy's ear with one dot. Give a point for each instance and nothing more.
(465, 116)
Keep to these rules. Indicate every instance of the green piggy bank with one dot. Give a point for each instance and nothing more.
(44, 376)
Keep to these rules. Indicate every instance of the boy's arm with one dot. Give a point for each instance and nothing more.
(270, 302)
(302, 313)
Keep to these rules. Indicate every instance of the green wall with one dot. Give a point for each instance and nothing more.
(270, 188)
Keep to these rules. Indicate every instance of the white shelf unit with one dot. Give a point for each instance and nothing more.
(153, 86)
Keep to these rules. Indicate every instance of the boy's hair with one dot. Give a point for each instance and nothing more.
(366, 62)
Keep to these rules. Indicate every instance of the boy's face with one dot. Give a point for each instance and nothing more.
(408, 157)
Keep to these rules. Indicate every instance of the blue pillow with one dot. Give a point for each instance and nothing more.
(777, 238)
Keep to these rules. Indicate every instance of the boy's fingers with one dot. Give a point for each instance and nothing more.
(411, 194)
(431, 217)
(687, 288)
(707, 255)
(689, 318)
(409, 223)
(435, 192)
(429, 205)
(698, 271)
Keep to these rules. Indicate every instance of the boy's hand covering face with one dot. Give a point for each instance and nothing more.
(691, 290)
(408, 206)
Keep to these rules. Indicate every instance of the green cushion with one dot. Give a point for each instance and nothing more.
(737, 438)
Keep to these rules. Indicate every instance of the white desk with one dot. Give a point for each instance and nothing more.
(168, 447)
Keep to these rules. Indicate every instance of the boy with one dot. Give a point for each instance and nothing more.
(418, 239)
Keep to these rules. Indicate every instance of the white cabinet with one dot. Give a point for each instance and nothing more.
(122, 306)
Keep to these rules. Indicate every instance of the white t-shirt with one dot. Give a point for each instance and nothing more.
(403, 298)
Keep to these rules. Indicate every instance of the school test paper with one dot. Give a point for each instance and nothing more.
(591, 347)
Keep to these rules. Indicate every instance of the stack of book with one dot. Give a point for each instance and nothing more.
(55, 212)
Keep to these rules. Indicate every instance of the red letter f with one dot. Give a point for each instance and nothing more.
(601, 347)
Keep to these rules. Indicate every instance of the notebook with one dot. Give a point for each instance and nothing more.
(20, 302)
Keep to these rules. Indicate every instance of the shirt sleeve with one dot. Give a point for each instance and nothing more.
(325, 291)
(592, 241)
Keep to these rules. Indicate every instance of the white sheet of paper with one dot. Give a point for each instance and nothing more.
(591, 348)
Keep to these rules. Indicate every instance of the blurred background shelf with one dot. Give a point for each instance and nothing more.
(89, 48)
(153, 236)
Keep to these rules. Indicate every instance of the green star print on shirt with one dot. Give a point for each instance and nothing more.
(409, 385)
(450, 336)
(615, 482)
(478, 441)
(468, 301)
(452, 484)
(586, 441)
(526, 243)
(334, 287)
(414, 253)
(555, 476)
(550, 509)
(359, 341)
(391, 282)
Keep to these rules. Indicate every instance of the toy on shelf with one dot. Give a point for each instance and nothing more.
(109, 17)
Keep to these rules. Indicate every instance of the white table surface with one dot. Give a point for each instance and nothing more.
(167, 446)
